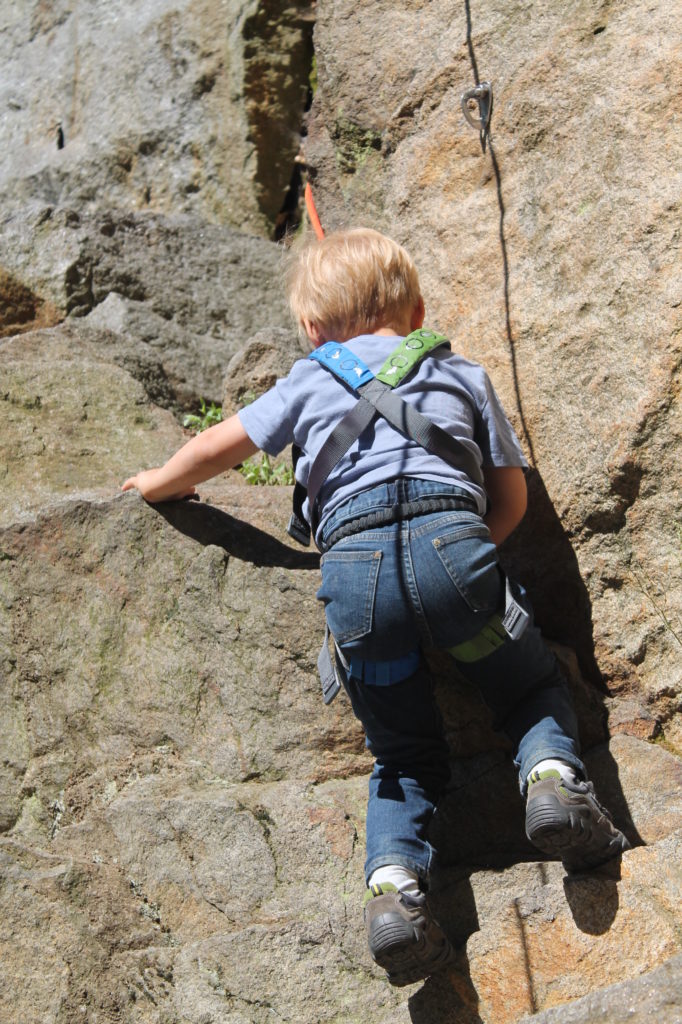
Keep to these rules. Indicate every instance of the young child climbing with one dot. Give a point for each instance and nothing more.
(409, 521)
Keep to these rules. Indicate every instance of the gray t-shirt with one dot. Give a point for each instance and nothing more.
(303, 408)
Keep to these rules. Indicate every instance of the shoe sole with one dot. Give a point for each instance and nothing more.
(571, 835)
(396, 949)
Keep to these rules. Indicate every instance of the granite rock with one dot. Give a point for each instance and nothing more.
(181, 819)
(194, 108)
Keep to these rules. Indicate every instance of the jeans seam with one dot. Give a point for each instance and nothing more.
(446, 519)
(362, 537)
(410, 579)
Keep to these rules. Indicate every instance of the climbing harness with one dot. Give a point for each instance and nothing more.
(397, 514)
(482, 95)
(376, 396)
(510, 624)
(372, 673)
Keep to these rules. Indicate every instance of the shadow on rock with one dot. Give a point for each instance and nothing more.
(449, 997)
(552, 577)
(603, 768)
(209, 525)
(479, 821)
(593, 898)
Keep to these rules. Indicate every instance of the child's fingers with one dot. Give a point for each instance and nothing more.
(140, 483)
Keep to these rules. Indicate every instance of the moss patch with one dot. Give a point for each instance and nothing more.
(353, 144)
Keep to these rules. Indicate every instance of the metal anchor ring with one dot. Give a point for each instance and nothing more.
(482, 94)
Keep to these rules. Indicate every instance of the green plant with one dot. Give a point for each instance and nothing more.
(312, 76)
(262, 472)
(207, 416)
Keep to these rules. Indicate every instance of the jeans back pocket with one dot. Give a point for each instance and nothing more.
(349, 583)
(470, 560)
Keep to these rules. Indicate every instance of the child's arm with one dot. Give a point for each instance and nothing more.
(506, 488)
(213, 451)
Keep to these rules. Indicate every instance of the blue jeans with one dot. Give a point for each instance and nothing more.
(431, 581)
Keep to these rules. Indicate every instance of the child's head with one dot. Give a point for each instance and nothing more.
(352, 282)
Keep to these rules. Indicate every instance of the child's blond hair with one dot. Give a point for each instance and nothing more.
(351, 282)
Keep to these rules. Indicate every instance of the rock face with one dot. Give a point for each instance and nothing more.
(190, 108)
(183, 291)
(181, 819)
(653, 996)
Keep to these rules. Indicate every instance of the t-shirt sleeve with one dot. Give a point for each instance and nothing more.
(268, 420)
(494, 433)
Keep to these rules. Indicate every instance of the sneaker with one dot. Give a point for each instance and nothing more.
(403, 937)
(564, 819)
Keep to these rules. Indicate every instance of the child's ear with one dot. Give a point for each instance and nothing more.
(418, 314)
(314, 333)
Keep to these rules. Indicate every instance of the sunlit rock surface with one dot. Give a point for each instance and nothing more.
(181, 819)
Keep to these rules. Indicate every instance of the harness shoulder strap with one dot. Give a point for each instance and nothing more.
(411, 423)
(350, 369)
(376, 396)
(343, 364)
(298, 528)
(409, 352)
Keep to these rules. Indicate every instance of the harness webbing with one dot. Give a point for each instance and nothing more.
(376, 397)
(486, 642)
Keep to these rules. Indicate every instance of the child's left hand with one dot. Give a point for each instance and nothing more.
(213, 451)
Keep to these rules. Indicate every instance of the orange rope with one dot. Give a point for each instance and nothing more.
(312, 212)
